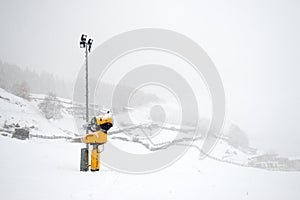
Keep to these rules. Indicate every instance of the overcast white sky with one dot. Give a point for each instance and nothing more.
(254, 44)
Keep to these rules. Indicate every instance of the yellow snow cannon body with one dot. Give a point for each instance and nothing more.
(99, 125)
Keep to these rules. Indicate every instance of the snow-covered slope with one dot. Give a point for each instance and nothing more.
(15, 111)
(47, 169)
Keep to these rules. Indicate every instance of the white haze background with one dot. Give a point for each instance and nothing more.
(254, 45)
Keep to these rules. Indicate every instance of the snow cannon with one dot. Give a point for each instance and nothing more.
(99, 125)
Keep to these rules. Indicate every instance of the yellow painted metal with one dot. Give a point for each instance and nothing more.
(99, 137)
(95, 138)
(100, 120)
(95, 159)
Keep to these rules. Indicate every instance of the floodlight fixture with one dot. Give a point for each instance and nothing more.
(83, 41)
(90, 44)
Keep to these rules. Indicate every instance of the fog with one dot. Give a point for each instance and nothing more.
(255, 46)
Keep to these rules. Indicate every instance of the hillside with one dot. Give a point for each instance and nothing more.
(16, 111)
(49, 169)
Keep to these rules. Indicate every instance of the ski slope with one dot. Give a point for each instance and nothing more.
(49, 169)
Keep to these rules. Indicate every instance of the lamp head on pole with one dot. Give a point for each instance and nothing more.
(83, 41)
(89, 43)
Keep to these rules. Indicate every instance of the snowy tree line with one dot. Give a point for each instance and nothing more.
(17, 80)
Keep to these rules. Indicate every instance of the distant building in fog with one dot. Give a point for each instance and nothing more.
(273, 162)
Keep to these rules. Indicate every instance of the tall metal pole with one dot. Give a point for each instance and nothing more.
(84, 159)
(86, 90)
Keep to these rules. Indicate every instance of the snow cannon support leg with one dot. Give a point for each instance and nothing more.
(95, 158)
(84, 160)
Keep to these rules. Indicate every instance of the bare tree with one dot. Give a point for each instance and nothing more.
(51, 107)
(22, 90)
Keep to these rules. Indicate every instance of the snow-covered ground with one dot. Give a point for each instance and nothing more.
(15, 110)
(49, 169)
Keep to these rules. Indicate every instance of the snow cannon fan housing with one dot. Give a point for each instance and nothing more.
(99, 124)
